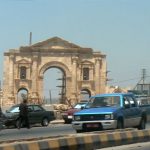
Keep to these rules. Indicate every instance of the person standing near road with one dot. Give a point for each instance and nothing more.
(23, 114)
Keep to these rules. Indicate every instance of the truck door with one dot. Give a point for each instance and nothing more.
(127, 113)
(135, 116)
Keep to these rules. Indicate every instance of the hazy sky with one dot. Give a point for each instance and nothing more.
(118, 28)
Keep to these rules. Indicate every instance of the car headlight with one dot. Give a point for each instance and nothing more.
(109, 116)
(77, 118)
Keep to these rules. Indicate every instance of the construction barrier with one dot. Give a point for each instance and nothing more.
(82, 141)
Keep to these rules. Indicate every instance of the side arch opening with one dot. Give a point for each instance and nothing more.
(22, 94)
(85, 94)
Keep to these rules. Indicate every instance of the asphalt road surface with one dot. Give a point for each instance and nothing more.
(53, 130)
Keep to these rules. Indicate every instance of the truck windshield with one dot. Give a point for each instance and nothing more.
(105, 101)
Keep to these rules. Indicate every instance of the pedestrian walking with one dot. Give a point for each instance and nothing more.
(23, 115)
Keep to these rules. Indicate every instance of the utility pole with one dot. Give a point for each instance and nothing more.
(141, 82)
(50, 96)
(63, 88)
(143, 79)
(143, 75)
(30, 41)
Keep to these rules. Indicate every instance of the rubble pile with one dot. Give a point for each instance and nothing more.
(60, 107)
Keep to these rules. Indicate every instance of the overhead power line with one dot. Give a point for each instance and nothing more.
(130, 79)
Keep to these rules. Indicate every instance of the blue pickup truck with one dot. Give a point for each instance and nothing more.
(110, 111)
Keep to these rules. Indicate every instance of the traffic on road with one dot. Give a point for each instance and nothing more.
(119, 107)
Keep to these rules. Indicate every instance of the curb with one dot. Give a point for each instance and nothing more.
(83, 141)
(57, 121)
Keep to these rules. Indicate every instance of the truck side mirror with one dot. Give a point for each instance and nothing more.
(127, 105)
(82, 107)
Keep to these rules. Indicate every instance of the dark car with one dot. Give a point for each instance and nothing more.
(37, 114)
(67, 115)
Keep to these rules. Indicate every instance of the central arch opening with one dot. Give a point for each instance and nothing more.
(54, 86)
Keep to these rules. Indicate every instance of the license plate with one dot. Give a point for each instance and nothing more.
(92, 125)
(70, 117)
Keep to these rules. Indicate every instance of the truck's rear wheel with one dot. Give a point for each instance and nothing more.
(120, 124)
(142, 124)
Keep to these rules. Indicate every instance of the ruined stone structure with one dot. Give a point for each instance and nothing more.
(84, 69)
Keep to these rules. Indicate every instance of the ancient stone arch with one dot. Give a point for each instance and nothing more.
(57, 64)
(24, 68)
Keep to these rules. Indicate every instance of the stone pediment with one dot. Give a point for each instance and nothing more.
(87, 62)
(23, 61)
(55, 43)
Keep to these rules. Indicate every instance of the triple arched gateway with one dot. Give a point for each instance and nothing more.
(83, 70)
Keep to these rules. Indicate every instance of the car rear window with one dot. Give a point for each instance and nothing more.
(14, 109)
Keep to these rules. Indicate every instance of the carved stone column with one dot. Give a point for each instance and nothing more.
(97, 75)
(40, 90)
(74, 76)
(34, 77)
(103, 75)
(11, 78)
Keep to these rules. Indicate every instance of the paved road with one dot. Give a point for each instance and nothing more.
(23, 133)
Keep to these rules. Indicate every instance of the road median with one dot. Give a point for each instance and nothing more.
(86, 141)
